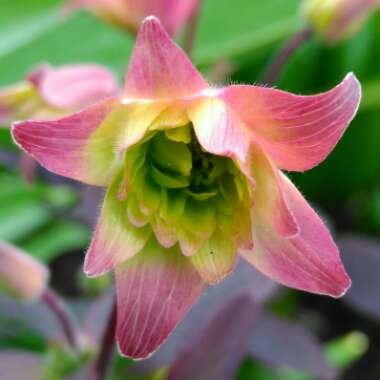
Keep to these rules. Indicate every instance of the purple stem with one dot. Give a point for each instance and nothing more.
(272, 73)
(58, 307)
(107, 345)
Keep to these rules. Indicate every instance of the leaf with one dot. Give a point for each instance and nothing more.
(56, 238)
(361, 256)
(225, 31)
(284, 344)
(217, 349)
(20, 365)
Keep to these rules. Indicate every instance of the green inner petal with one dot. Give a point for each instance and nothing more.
(182, 192)
(182, 134)
(170, 155)
(173, 181)
(172, 206)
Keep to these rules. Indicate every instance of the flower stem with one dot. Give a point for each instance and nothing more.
(58, 307)
(272, 73)
(191, 30)
(107, 346)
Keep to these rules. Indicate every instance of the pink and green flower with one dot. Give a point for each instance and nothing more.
(193, 178)
(49, 93)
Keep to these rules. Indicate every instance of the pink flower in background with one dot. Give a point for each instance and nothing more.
(21, 276)
(338, 19)
(193, 177)
(130, 13)
(48, 93)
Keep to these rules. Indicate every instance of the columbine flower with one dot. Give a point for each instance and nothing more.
(193, 177)
(129, 14)
(48, 93)
(20, 275)
(338, 19)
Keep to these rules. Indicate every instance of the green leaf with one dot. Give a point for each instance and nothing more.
(58, 237)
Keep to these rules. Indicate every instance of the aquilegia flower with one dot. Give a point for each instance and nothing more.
(193, 178)
(49, 93)
(338, 19)
(129, 14)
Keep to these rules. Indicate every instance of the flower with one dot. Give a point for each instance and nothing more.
(338, 19)
(48, 93)
(129, 14)
(20, 275)
(193, 177)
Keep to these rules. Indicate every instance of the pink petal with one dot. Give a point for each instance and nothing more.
(159, 68)
(155, 290)
(37, 75)
(77, 86)
(60, 145)
(308, 261)
(219, 129)
(298, 132)
(270, 201)
(115, 239)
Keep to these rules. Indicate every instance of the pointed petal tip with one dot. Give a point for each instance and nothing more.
(125, 353)
(345, 287)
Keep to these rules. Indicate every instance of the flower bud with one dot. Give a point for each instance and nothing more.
(47, 93)
(336, 20)
(128, 14)
(21, 276)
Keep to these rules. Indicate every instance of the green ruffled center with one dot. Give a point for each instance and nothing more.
(183, 192)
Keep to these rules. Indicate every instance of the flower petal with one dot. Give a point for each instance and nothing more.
(216, 259)
(159, 68)
(77, 86)
(218, 128)
(155, 290)
(298, 132)
(115, 239)
(84, 146)
(308, 261)
(59, 145)
(270, 202)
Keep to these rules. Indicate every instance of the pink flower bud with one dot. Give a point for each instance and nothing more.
(338, 19)
(21, 276)
(129, 14)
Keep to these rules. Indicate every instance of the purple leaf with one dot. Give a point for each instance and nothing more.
(35, 316)
(20, 365)
(286, 344)
(216, 350)
(361, 257)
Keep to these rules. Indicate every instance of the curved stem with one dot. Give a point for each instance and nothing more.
(191, 31)
(69, 326)
(107, 346)
(272, 73)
